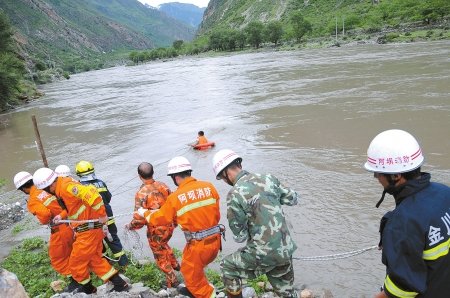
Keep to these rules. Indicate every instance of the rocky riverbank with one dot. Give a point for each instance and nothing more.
(10, 213)
(10, 286)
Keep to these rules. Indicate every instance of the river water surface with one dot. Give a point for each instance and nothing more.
(305, 116)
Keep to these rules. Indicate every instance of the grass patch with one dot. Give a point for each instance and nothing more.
(30, 262)
(17, 229)
(26, 224)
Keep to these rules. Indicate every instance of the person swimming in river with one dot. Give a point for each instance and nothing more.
(201, 139)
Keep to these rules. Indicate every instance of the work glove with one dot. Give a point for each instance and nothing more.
(56, 219)
(106, 233)
(141, 211)
(103, 219)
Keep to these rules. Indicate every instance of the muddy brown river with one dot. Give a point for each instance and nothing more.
(305, 116)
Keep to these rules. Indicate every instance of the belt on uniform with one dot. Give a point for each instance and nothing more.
(200, 235)
(88, 226)
(55, 228)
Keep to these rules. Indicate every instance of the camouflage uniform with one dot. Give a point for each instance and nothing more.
(254, 214)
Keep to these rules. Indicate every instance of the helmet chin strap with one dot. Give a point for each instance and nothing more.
(227, 178)
(174, 180)
(390, 189)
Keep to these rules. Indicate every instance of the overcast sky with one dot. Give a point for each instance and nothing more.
(155, 3)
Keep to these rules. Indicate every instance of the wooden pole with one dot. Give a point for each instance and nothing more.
(39, 142)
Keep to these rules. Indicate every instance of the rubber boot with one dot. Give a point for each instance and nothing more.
(72, 286)
(89, 288)
(184, 291)
(119, 284)
(234, 295)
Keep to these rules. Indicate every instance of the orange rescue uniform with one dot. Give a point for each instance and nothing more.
(195, 207)
(45, 207)
(83, 202)
(152, 195)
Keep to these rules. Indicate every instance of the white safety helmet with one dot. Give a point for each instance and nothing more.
(222, 159)
(44, 177)
(62, 171)
(392, 152)
(178, 164)
(21, 178)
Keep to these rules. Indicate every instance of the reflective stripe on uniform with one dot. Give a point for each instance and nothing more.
(83, 282)
(49, 200)
(79, 211)
(393, 289)
(213, 294)
(101, 189)
(108, 275)
(436, 252)
(96, 207)
(196, 205)
(111, 221)
(119, 254)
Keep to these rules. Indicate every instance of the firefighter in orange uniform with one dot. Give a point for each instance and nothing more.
(83, 203)
(152, 195)
(45, 207)
(195, 207)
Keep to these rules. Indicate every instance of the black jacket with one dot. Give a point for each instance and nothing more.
(416, 240)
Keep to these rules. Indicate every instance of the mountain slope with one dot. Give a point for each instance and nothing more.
(238, 13)
(154, 24)
(56, 31)
(187, 13)
(370, 15)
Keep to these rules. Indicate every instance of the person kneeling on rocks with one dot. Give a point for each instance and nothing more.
(255, 215)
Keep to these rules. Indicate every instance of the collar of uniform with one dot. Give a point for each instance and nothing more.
(149, 181)
(186, 181)
(241, 174)
(88, 177)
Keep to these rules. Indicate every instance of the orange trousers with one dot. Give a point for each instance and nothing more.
(60, 248)
(196, 256)
(158, 239)
(87, 255)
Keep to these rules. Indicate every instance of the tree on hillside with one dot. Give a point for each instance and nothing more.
(241, 39)
(433, 10)
(177, 44)
(12, 68)
(274, 31)
(254, 32)
(300, 25)
(216, 40)
(225, 39)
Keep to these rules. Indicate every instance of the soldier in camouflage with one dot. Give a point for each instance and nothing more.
(255, 215)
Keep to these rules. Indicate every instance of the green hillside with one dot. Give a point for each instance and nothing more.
(82, 34)
(369, 15)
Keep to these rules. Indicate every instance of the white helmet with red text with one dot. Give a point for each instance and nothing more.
(394, 151)
(222, 159)
(21, 178)
(178, 164)
(62, 171)
(44, 177)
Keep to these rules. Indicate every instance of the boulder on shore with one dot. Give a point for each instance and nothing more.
(10, 285)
